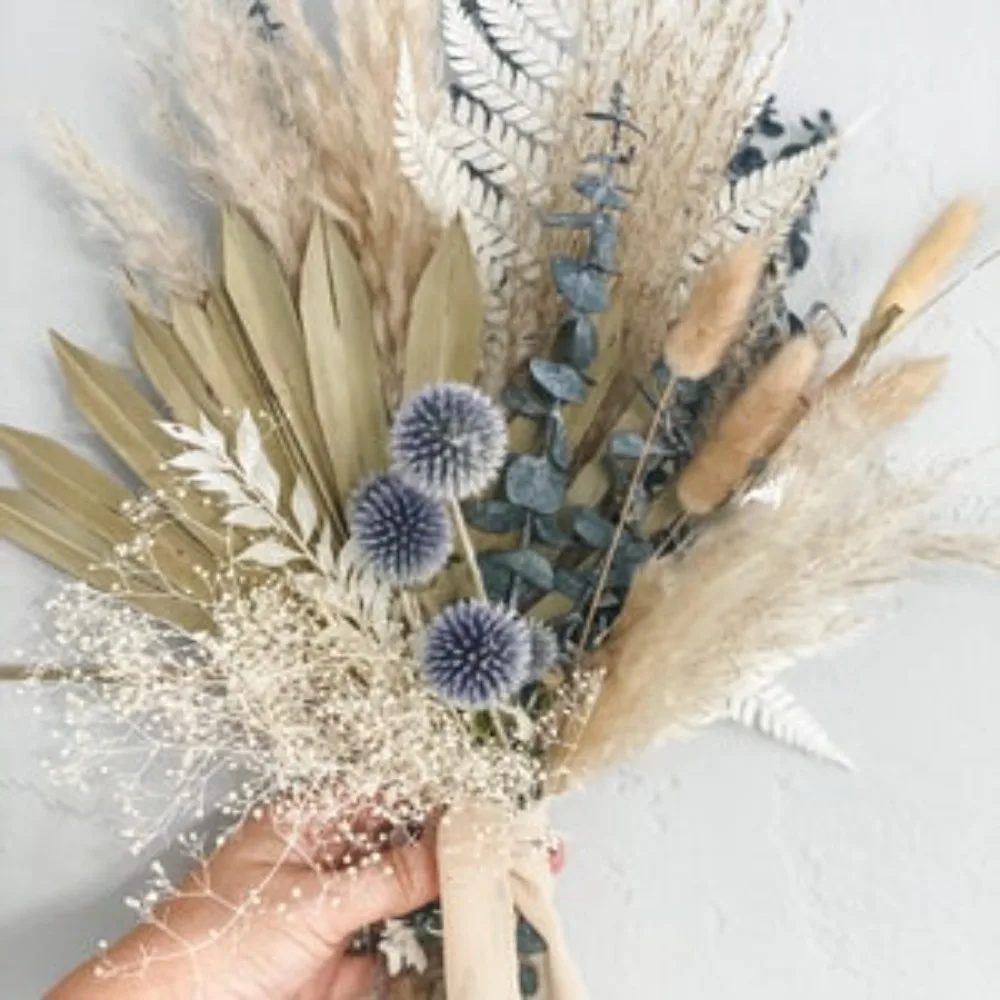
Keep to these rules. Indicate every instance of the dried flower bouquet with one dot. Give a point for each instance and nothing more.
(488, 455)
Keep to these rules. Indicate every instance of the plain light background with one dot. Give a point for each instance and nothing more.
(722, 868)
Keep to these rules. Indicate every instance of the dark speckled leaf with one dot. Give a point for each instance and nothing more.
(592, 529)
(496, 517)
(627, 445)
(562, 382)
(531, 566)
(527, 978)
(533, 483)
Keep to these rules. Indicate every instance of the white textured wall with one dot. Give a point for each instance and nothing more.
(718, 869)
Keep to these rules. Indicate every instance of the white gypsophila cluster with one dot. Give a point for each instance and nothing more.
(308, 689)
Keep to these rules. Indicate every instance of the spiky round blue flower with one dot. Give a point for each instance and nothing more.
(403, 534)
(544, 649)
(450, 441)
(477, 654)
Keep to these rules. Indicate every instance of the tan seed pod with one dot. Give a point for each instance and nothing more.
(897, 394)
(751, 429)
(926, 264)
(716, 314)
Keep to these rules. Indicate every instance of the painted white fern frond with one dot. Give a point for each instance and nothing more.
(764, 204)
(773, 711)
(554, 17)
(504, 154)
(425, 154)
(518, 38)
(519, 100)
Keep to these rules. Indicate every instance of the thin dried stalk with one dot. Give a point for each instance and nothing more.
(769, 586)
(165, 259)
(756, 423)
(716, 314)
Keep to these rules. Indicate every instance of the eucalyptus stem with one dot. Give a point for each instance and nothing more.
(666, 398)
(468, 548)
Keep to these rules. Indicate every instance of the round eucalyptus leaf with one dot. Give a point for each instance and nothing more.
(560, 381)
(497, 578)
(573, 583)
(627, 445)
(527, 979)
(527, 564)
(577, 342)
(585, 288)
(533, 483)
(592, 529)
(546, 531)
(496, 517)
(529, 941)
(560, 452)
(517, 399)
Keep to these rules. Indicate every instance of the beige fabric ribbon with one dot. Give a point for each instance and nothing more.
(493, 867)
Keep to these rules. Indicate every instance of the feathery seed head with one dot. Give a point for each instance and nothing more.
(403, 534)
(450, 441)
(477, 654)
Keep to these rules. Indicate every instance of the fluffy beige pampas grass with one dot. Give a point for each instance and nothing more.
(753, 426)
(900, 392)
(160, 255)
(771, 584)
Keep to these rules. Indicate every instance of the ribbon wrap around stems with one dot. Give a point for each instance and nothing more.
(492, 868)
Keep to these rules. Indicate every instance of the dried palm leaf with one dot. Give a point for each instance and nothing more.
(446, 316)
(343, 363)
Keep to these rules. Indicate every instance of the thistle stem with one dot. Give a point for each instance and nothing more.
(468, 548)
(666, 397)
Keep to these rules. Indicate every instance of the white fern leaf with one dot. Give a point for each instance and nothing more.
(304, 511)
(214, 439)
(255, 518)
(507, 156)
(763, 204)
(194, 461)
(269, 553)
(773, 711)
(514, 34)
(554, 17)
(426, 156)
(518, 99)
(183, 434)
(248, 443)
(325, 556)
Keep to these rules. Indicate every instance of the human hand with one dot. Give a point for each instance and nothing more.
(294, 946)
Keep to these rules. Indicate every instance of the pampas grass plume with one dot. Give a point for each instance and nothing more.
(897, 394)
(716, 314)
(926, 264)
(751, 429)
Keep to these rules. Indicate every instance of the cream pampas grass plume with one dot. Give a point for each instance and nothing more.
(894, 396)
(738, 608)
(751, 429)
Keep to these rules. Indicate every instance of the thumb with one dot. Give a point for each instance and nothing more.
(404, 880)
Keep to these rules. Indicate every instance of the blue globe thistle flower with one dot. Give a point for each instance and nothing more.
(477, 654)
(544, 649)
(450, 441)
(403, 533)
